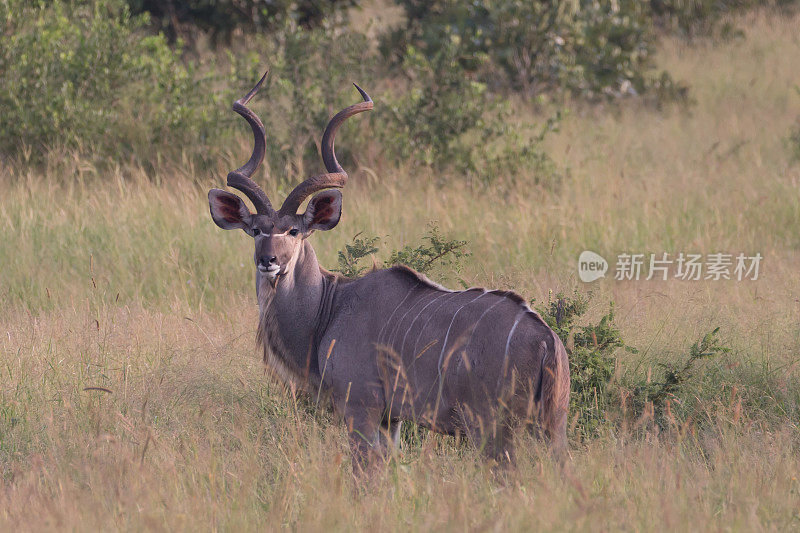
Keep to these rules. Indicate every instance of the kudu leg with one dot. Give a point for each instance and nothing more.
(390, 434)
(364, 435)
(369, 446)
(363, 454)
(488, 432)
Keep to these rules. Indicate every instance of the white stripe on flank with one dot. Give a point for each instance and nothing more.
(415, 319)
(447, 335)
(388, 320)
(400, 322)
(454, 294)
(502, 298)
(508, 343)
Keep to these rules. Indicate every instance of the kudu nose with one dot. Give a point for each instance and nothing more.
(268, 264)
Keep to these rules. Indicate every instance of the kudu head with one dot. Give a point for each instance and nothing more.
(279, 234)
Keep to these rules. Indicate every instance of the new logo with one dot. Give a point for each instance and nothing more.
(591, 266)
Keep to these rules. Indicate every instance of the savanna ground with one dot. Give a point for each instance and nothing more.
(122, 281)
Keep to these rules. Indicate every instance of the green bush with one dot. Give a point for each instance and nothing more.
(80, 75)
(676, 376)
(613, 47)
(593, 49)
(592, 360)
(112, 90)
(351, 258)
(445, 119)
(433, 252)
(602, 391)
(221, 18)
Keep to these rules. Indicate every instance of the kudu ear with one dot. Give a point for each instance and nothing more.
(228, 210)
(324, 210)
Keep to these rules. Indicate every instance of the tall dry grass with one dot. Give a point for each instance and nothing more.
(119, 280)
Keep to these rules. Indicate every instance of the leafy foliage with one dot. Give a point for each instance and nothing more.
(113, 89)
(593, 49)
(350, 258)
(433, 251)
(592, 362)
(675, 376)
(178, 18)
(77, 75)
(448, 119)
(600, 388)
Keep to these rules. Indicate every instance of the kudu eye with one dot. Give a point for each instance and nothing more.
(256, 231)
(293, 232)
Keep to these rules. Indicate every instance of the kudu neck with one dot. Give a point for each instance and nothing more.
(301, 300)
(294, 314)
(303, 275)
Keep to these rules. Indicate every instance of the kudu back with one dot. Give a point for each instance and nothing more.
(392, 345)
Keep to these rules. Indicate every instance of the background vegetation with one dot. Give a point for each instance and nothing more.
(507, 138)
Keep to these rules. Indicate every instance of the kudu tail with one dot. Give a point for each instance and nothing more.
(552, 395)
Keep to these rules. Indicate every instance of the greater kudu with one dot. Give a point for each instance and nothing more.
(391, 345)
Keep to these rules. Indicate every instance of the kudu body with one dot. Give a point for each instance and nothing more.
(392, 345)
